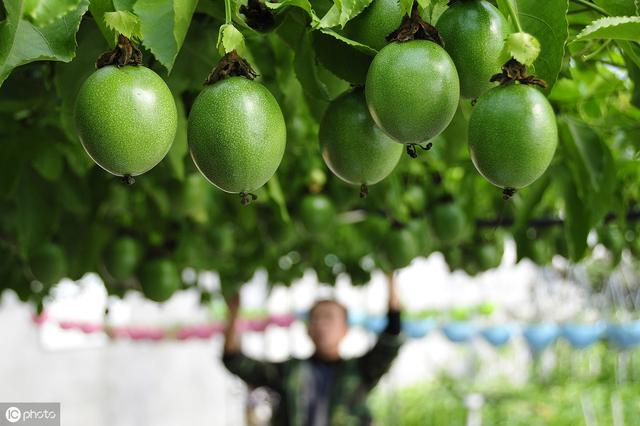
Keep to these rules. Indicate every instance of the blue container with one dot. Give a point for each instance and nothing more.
(540, 336)
(498, 335)
(459, 331)
(625, 336)
(357, 318)
(581, 336)
(376, 323)
(418, 328)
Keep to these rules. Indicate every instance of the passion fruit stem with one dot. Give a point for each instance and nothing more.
(413, 152)
(364, 190)
(508, 193)
(125, 53)
(128, 180)
(247, 198)
(512, 71)
(413, 27)
(258, 15)
(231, 65)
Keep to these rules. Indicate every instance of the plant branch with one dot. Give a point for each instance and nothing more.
(547, 222)
(227, 12)
(514, 15)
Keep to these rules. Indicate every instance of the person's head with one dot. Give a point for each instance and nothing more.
(327, 326)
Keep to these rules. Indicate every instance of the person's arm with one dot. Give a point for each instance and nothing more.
(377, 361)
(253, 372)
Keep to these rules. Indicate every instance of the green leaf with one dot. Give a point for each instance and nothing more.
(406, 6)
(229, 39)
(523, 47)
(618, 7)
(592, 166)
(48, 161)
(305, 66)
(576, 223)
(302, 4)
(123, 22)
(275, 192)
(358, 46)
(179, 149)
(43, 12)
(615, 27)
(164, 25)
(98, 8)
(68, 77)
(21, 42)
(546, 20)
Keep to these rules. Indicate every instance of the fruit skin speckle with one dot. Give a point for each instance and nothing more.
(237, 134)
(513, 135)
(126, 119)
(352, 146)
(412, 90)
(474, 34)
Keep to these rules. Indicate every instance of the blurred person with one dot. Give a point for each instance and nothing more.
(324, 389)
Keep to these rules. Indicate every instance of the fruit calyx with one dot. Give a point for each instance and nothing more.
(247, 198)
(258, 16)
(128, 180)
(507, 193)
(413, 27)
(512, 71)
(231, 65)
(413, 153)
(364, 190)
(125, 53)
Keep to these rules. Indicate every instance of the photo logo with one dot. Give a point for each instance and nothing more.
(13, 414)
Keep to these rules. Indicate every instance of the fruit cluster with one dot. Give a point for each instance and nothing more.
(126, 116)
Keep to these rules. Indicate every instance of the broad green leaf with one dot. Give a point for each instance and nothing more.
(351, 8)
(98, 8)
(546, 20)
(43, 12)
(592, 167)
(406, 6)
(123, 22)
(616, 27)
(576, 223)
(179, 148)
(331, 18)
(195, 60)
(48, 161)
(305, 66)
(302, 4)
(229, 39)
(523, 47)
(358, 46)
(618, 7)
(21, 42)
(276, 194)
(68, 77)
(164, 25)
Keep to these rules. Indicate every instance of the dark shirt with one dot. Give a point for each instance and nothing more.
(315, 392)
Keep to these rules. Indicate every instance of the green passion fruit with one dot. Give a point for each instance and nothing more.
(159, 279)
(512, 135)
(372, 26)
(48, 264)
(126, 119)
(122, 257)
(237, 134)
(352, 146)
(317, 213)
(473, 33)
(449, 222)
(412, 90)
(401, 247)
